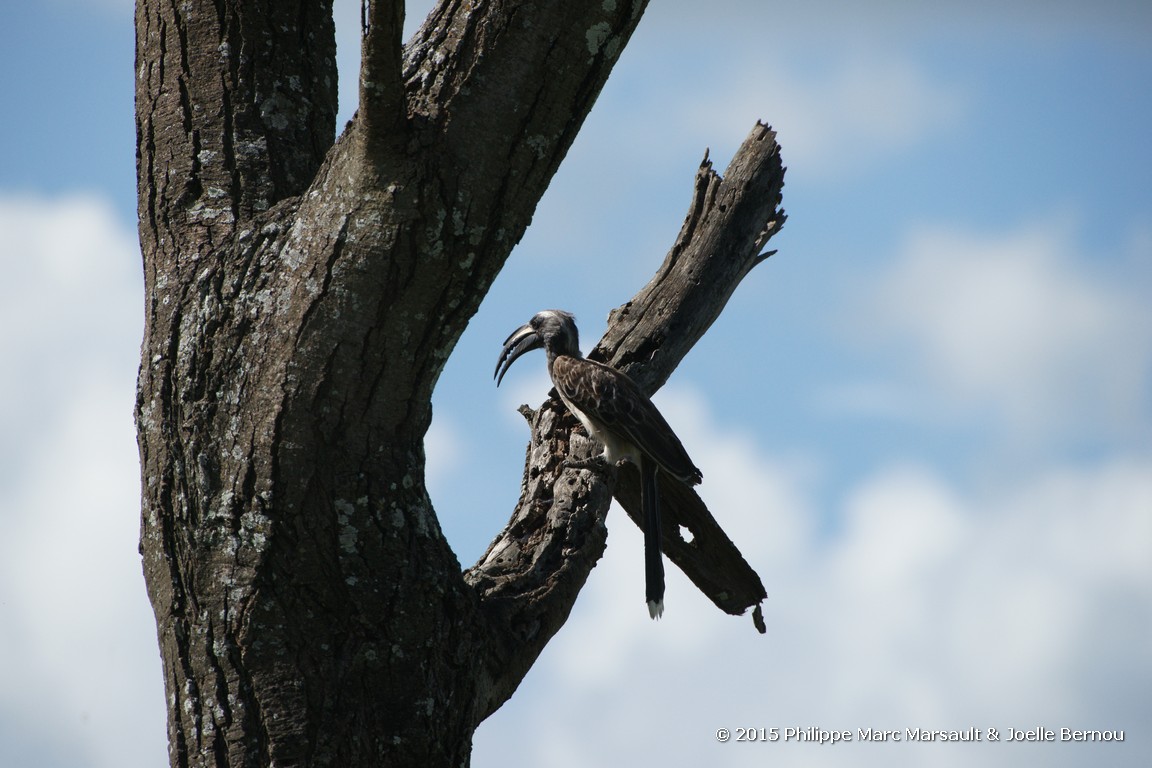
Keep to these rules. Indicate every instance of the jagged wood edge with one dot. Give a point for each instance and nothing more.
(519, 579)
(729, 222)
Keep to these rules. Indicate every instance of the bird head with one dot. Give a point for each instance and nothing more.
(554, 330)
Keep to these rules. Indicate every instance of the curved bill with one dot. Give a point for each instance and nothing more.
(523, 339)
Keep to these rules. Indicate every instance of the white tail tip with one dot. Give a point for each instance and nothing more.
(655, 608)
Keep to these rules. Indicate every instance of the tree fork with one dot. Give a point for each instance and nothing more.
(302, 295)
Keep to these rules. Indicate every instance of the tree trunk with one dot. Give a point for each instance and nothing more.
(302, 297)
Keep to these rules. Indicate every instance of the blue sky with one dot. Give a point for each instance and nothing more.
(927, 421)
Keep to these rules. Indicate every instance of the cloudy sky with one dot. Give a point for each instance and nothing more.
(927, 421)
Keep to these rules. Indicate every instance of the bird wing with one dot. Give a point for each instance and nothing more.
(614, 401)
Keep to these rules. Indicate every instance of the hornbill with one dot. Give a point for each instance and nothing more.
(618, 414)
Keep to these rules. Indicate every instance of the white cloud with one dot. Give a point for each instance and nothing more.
(851, 116)
(78, 660)
(524, 387)
(88, 666)
(443, 446)
(860, 106)
(1019, 325)
(907, 515)
(70, 307)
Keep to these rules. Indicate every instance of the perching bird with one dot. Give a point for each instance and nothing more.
(616, 412)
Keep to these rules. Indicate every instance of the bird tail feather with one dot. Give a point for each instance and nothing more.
(653, 559)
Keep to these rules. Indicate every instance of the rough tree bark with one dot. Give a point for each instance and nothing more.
(302, 295)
